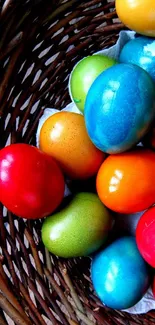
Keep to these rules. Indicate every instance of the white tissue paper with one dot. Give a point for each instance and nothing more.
(127, 222)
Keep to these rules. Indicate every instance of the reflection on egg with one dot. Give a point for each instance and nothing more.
(125, 182)
(64, 137)
(145, 236)
(118, 111)
(79, 229)
(83, 75)
(137, 15)
(140, 51)
(120, 275)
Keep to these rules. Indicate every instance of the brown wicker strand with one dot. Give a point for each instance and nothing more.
(60, 294)
(70, 286)
(12, 312)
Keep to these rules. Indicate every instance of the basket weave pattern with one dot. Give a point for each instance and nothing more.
(40, 42)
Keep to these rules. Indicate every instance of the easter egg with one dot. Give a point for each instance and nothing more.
(125, 182)
(140, 51)
(118, 111)
(31, 183)
(145, 236)
(64, 137)
(119, 274)
(83, 75)
(78, 229)
(137, 15)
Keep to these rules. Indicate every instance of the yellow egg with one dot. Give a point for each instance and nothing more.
(138, 15)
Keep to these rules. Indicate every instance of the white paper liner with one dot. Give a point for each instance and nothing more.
(127, 222)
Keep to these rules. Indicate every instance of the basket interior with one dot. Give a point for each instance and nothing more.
(40, 42)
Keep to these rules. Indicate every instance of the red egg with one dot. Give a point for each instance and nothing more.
(31, 183)
(145, 236)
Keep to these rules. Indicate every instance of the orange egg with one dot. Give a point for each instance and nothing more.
(125, 182)
(64, 137)
(138, 15)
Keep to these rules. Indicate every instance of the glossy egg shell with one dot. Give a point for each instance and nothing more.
(31, 183)
(145, 236)
(64, 137)
(83, 75)
(118, 111)
(119, 274)
(137, 15)
(79, 229)
(140, 51)
(125, 182)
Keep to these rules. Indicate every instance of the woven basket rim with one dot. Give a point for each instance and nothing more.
(31, 32)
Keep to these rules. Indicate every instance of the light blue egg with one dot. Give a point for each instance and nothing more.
(140, 51)
(119, 274)
(119, 108)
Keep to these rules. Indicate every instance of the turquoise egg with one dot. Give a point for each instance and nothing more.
(119, 108)
(119, 274)
(140, 51)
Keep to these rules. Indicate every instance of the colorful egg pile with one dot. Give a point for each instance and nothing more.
(109, 141)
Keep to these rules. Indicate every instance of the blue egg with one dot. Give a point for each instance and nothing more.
(119, 274)
(140, 51)
(119, 108)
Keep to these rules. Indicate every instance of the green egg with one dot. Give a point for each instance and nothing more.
(79, 229)
(83, 75)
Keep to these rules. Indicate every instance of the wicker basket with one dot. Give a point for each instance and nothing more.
(40, 41)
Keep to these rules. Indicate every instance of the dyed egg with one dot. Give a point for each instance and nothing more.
(79, 229)
(118, 111)
(119, 274)
(137, 15)
(125, 182)
(83, 75)
(64, 137)
(140, 51)
(145, 236)
(31, 183)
